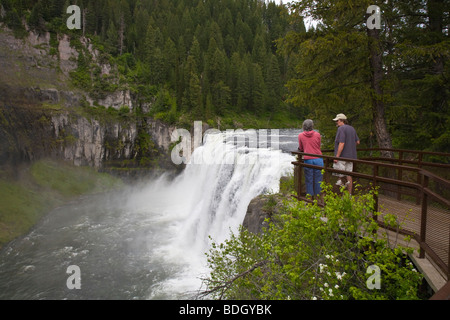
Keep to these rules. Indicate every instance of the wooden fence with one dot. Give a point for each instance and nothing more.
(407, 181)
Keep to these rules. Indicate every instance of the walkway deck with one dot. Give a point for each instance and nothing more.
(408, 216)
(407, 176)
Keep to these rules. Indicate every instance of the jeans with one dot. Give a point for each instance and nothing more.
(313, 177)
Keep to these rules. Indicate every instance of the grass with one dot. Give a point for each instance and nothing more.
(42, 187)
(68, 180)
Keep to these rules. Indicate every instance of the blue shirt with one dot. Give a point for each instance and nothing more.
(346, 134)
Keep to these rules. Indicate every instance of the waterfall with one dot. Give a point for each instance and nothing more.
(148, 241)
(210, 198)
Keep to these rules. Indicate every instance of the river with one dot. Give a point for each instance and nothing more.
(149, 240)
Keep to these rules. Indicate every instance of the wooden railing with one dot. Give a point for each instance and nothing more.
(400, 177)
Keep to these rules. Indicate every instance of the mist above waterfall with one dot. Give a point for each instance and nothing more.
(148, 242)
(210, 198)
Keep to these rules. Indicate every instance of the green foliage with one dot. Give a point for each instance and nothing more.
(332, 71)
(184, 47)
(309, 252)
(165, 107)
(43, 186)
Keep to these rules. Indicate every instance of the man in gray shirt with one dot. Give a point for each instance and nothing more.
(345, 147)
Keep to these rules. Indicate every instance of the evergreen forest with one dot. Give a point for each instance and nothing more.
(198, 59)
(252, 59)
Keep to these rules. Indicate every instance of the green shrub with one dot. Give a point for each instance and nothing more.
(313, 253)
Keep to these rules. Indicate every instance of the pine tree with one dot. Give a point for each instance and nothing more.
(196, 54)
(333, 73)
(420, 114)
(36, 19)
(170, 62)
(259, 51)
(235, 67)
(392, 82)
(258, 90)
(228, 40)
(112, 36)
(273, 82)
(243, 87)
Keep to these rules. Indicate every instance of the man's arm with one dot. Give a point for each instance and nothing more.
(339, 151)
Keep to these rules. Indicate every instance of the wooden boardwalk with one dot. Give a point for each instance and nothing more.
(408, 215)
(407, 176)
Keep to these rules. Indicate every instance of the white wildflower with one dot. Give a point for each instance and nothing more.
(330, 293)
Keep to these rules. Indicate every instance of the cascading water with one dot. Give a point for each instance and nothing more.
(148, 243)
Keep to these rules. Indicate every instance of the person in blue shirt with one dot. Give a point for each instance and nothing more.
(345, 147)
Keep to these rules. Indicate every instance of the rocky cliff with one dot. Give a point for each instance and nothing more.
(43, 115)
(261, 211)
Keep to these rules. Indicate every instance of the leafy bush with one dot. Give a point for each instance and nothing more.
(309, 252)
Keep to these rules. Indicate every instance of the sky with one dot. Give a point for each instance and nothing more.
(308, 21)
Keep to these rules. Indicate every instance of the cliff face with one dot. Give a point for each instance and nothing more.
(89, 142)
(42, 115)
(260, 212)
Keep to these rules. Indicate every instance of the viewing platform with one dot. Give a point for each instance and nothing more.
(414, 186)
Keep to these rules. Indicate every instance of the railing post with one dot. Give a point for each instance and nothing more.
(375, 195)
(326, 166)
(448, 262)
(423, 219)
(400, 175)
(419, 178)
(300, 175)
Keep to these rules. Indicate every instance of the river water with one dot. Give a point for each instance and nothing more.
(148, 241)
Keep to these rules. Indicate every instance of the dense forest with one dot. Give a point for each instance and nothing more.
(200, 59)
(392, 82)
(235, 59)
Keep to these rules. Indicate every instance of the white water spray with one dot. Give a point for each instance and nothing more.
(211, 199)
(149, 241)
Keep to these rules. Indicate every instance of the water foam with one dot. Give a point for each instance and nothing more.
(210, 200)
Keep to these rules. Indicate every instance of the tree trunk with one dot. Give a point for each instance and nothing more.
(378, 108)
(436, 16)
(121, 34)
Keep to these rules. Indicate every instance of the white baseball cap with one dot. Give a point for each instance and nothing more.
(340, 116)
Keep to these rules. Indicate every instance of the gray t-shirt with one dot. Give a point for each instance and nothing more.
(346, 134)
